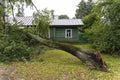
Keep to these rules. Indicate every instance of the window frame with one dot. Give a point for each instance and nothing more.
(66, 32)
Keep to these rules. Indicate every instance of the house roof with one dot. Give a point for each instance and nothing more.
(66, 22)
(27, 21)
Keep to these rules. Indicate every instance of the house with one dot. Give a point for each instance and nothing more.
(65, 30)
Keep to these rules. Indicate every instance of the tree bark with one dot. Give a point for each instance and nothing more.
(82, 54)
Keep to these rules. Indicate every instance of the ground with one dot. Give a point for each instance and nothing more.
(59, 65)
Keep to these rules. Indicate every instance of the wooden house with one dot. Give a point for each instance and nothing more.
(65, 30)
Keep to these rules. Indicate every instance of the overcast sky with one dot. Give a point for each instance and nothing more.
(67, 7)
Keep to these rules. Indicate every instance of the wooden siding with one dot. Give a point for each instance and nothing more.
(58, 34)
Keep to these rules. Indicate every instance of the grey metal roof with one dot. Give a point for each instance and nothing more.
(66, 22)
(26, 21)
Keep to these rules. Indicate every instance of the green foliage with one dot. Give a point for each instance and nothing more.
(84, 8)
(14, 51)
(57, 64)
(104, 31)
(84, 12)
(13, 47)
(63, 17)
(89, 20)
(42, 20)
(7, 8)
(17, 46)
(1, 11)
(108, 41)
(16, 34)
(20, 10)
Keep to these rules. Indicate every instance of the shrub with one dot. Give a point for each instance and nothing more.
(13, 47)
(14, 51)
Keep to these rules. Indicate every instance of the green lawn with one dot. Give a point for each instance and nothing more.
(59, 65)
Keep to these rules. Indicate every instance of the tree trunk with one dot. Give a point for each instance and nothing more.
(3, 24)
(82, 54)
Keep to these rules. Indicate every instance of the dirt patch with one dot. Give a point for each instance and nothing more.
(9, 73)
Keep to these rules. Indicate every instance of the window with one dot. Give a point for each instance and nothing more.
(68, 33)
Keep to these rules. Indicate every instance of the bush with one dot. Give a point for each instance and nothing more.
(14, 51)
(109, 40)
(13, 47)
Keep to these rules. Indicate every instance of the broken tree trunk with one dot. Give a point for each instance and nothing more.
(82, 54)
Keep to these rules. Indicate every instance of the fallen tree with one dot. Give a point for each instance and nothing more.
(82, 54)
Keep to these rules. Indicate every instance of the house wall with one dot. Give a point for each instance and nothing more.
(58, 34)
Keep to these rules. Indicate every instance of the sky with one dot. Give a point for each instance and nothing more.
(60, 7)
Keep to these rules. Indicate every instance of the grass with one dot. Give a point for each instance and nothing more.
(59, 65)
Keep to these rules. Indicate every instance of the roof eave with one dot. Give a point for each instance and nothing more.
(66, 25)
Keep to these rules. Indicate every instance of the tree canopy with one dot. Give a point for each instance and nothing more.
(42, 20)
(104, 30)
(84, 8)
(7, 8)
(63, 17)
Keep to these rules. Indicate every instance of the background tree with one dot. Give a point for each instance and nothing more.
(89, 19)
(42, 20)
(63, 17)
(105, 30)
(7, 8)
(20, 10)
(84, 8)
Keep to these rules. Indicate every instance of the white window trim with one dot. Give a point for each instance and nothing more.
(49, 33)
(66, 33)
